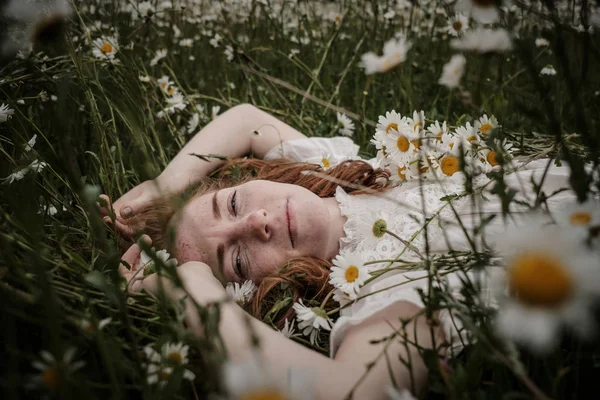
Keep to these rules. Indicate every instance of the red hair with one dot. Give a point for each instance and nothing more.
(302, 277)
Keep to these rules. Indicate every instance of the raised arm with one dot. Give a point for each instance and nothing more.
(230, 135)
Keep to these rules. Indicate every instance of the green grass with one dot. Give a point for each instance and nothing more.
(103, 130)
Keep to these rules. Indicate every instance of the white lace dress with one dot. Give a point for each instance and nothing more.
(405, 208)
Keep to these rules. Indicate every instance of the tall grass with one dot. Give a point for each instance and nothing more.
(58, 270)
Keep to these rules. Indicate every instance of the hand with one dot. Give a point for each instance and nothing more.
(130, 205)
(132, 272)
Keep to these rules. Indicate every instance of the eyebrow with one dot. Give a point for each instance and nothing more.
(215, 206)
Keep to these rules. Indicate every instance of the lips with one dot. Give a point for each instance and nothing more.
(291, 223)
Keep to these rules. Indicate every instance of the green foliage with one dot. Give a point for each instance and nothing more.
(59, 260)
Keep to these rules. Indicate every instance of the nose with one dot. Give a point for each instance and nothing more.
(256, 225)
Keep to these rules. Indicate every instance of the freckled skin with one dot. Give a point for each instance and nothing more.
(259, 232)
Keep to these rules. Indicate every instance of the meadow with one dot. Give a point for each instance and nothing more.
(97, 96)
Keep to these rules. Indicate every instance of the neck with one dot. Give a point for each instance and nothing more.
(336, 225)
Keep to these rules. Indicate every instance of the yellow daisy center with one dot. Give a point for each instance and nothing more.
(106, 48)
(351, 273)
(471, 138)
(485, 128)
(580, 218)
(449, 165)
(171, 91)
(451, 145)
(391, 126)
(175, 357)
(457, 25)
(416, 143)
(417, 126)
(50, 377)
(439, 136)
(537, 279)
(491, 158)
(401, 173)
(403, 144)
(326, 163)
(265, 394)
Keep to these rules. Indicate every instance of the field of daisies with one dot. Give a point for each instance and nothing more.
(97, 96)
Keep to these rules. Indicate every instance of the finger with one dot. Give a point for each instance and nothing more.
(104, 208)
(131, 256)
(134, 206)
(124, 229)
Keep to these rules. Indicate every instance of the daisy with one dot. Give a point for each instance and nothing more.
(457, 25)
(214, 112)
(468, 135)
(158, 374)
(193, 123)
(160, 366)
(187, 42)
(453, 71)
(394, 53)
(580, 217)
(229, 53)
(311, 320)
(397, 172)
(326, 162)
(165, 84)
(345, 125)
(483, 40)
(391, 121)
(175, 103)
(148, 261)
(434, 135)
(37, 166)
(541, 42)
(214, 42)
(160, 54)
(348, 274)
(53, 370)
(288, 329)
(105, 48)
(483, 11)
(31, 143)
(485, 125)
(341, 297)
(416, 123)
(175, 353)
(548, 70)
(552, 280)
(241, 294)
(144, 10)
(399, 145)
(5, 113)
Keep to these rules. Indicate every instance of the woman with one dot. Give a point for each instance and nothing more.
(249, 231)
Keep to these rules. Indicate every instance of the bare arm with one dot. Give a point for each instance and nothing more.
(334, 378)
(230, 135)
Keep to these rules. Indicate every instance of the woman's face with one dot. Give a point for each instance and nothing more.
(248, 231)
